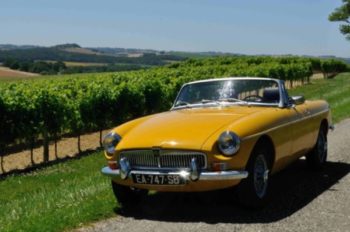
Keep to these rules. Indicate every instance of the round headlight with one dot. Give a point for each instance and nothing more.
(229, 143)
(110, 141)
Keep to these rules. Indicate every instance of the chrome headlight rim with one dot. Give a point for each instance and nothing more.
(228, 143)
(110, 141)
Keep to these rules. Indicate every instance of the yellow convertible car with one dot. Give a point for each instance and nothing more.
(218, 134)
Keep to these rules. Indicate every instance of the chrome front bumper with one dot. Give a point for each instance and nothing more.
(187, 174)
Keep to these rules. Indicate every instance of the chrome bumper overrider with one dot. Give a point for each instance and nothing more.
(187, 174)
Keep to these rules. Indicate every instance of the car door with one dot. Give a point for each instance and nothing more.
(302, 129)
(299, 126)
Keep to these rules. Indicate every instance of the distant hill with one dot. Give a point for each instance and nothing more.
(58, 59)
(125, 52)
(347, 60)
(75, 48)
(68, 45)
(12, 47)
(202, 54)
(76, 53)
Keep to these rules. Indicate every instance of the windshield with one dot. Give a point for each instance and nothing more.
(249, 91)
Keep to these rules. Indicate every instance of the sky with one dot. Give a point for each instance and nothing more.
(298, 27)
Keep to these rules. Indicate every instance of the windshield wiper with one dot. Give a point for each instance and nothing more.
(231, 99)
(205, 101)
(182, 103)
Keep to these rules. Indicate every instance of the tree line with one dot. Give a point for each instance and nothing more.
(59, 67)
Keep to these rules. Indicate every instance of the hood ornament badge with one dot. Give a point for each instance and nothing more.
(156, 154)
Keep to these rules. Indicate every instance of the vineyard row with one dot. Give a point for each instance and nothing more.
(47, 109)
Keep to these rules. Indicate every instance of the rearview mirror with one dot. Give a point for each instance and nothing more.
(297, 100)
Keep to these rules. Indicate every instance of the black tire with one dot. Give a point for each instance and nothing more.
(127, 196)
(252, 192)
(317, 158)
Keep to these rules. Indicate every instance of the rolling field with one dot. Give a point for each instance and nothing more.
(9, 74)
(84, 64)
(78, 64)
(48, 77)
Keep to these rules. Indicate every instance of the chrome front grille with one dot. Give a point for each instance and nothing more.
(163, 158)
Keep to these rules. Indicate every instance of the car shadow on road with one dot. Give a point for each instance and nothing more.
(291, 190)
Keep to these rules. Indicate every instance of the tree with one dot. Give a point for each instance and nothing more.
(342, 14)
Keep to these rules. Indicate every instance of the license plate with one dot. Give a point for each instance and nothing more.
(158, 179)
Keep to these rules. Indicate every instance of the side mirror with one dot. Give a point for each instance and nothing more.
(297, 100)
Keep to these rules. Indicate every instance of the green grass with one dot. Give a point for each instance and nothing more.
(56, 198)
(335, 91)
(74, 193)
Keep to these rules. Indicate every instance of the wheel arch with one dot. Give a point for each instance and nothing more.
(324, 126)
(266, 141)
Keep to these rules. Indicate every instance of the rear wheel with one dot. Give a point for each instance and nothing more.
(253, 191)
(318, 155)
(128, 196)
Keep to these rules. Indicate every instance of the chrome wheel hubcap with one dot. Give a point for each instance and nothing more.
(261, 176)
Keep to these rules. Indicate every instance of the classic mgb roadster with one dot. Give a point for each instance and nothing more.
(218, 134)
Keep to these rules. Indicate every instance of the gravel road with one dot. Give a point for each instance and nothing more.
(301, 200)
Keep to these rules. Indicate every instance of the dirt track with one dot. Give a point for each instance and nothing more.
(15, 74)
(301, 200)
(66, 147)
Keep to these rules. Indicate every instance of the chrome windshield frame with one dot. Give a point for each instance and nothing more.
(282, 103)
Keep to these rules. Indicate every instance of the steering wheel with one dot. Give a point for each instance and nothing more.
(256, 98)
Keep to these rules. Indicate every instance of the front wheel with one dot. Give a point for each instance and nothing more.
(127, 196)
(253, 191)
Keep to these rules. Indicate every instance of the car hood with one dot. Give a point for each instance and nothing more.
(181, 129)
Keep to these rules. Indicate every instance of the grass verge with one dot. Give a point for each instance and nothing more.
(335, 91)
(69, 194)
(56, 198)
